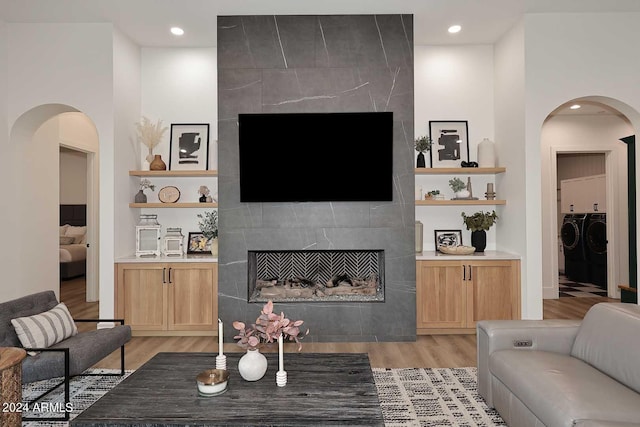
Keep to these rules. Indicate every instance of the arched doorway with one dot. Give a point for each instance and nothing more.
(593, 134)
(37, 136)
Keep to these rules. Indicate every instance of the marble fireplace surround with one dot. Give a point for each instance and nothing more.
(323, 63)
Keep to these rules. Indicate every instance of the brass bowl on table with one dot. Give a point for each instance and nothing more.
(212, 382)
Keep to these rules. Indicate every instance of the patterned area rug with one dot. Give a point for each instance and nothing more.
(433, 397)
(409, 397)
(83, 392)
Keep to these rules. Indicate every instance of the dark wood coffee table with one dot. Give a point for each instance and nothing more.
(322, 389)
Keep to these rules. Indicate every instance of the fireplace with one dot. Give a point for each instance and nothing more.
(316, 275)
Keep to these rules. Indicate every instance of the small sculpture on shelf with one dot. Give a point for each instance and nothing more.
(490, 194)
(203, 191)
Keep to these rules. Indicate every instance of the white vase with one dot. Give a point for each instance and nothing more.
(214, 247)
(253, 365)
(486, 154)
(462, 194)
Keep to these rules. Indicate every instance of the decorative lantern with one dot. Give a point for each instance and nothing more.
(148, 236)
(173, 242)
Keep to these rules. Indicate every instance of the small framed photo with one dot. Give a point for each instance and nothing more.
(189, 147)
(198, 244)
(450, 143)
(448, 238)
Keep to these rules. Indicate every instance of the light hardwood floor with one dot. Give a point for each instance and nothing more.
(433, 351)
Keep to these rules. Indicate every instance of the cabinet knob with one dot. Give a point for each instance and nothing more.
(570, 208)
(595, 207)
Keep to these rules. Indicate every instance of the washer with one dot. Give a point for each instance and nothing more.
(596, 239)
(572, 232)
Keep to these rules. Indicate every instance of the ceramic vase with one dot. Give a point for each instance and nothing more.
(140, 197)
(253, 365)
(486, 154)
(462, 194)
(214, 247)
(420, 163)
(479, 240)
(157, 164)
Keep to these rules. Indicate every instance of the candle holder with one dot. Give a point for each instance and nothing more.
(281, 378)
(221, 362)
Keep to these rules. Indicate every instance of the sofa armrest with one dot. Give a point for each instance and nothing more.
(544, 335)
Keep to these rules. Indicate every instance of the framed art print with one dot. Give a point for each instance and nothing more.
(189, 147)
(448, 238)
(198, 244)
(450, 143)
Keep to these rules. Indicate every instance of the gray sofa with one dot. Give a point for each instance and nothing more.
(68, 358)
(558, 373)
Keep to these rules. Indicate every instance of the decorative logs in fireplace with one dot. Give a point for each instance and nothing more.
(299, 287)
(328, 275)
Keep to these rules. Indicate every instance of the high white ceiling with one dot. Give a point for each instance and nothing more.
(147, 22)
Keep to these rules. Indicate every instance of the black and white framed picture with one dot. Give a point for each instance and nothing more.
(450, 143)
(189, 146)
(448, 238)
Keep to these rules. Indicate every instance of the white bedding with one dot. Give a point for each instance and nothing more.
(73, 252)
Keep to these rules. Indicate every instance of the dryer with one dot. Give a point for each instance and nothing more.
(596, 239)
(572, 232)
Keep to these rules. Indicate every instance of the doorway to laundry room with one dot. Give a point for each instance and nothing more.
(582, 219)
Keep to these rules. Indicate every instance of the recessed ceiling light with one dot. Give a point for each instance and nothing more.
(454, 29)
(575, 106)
(177, 31)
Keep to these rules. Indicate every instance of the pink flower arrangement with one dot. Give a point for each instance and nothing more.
(268, 328)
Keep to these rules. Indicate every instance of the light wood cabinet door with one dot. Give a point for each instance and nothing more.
(492, 291)
(440, 295)
(451, 296)
(141, 296)
(168, 298)
(193, 294)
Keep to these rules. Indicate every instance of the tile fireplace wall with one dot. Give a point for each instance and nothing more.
(327, 63)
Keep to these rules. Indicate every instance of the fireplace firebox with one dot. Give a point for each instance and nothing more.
(316, 275)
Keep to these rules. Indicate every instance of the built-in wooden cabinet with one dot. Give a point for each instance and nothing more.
(587, 194)
(168, 298)
(452, 295)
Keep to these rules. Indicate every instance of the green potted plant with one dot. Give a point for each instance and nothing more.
(209, 228)
(459, 188)
(479, 223)
(422, 144)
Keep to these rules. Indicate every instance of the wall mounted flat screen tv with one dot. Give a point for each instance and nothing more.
(316, 157)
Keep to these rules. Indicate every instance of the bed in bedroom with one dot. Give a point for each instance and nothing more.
(73, 241)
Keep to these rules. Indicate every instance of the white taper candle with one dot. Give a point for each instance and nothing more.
(220, 340)
(280, 355)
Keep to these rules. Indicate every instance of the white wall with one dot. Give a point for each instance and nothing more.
(8, 211)
(73, 177)
(513, 233)
(179, 86)
(52, 68)
(586, 134)
(453, 83)
(570, 56)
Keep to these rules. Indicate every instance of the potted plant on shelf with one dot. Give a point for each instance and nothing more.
(422, 144)
(140, 197)
(479, 223)
(267, 328)
(209, 227)
(150, 135)
(459, 188)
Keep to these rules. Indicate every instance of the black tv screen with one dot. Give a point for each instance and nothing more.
(316, 157)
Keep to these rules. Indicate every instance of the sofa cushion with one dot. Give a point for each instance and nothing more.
(45, 329)
(560, 389)
(85, 350)
(609, 339)
(20, 307)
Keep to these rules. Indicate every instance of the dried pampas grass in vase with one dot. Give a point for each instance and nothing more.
(150, 134)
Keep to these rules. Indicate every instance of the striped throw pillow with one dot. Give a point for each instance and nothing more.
(45, 329)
